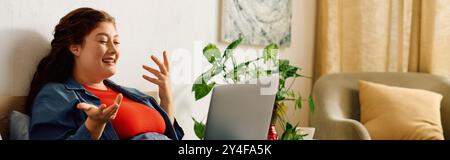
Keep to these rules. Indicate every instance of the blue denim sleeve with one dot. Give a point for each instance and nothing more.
(179, 131)
(53, 115)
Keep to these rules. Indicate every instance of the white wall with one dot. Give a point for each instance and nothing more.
(146, 27)
(301, 52)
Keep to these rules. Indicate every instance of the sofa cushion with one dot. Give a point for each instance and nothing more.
(19, 126)
(390, 112)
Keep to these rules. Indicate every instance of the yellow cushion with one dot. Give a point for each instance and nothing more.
(395, 113)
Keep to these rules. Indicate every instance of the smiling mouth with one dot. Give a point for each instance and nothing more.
(109, 61)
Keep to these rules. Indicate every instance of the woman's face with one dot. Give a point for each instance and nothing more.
(97, 57)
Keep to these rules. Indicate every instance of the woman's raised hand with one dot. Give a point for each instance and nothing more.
(163, 81)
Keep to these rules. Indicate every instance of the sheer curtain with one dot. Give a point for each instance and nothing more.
(383, 36)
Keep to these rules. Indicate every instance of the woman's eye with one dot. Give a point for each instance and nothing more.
(103, 42)
(116, 43)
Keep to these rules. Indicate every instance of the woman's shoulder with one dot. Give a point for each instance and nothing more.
(55, 91)
(53, 98)
(54, 88)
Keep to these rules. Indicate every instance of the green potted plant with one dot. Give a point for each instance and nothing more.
(250, 70)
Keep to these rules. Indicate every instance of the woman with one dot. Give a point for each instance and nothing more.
(71, 98)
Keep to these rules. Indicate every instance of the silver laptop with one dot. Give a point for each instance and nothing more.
(241, 111)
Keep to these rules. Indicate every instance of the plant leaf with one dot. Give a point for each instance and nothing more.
(201, 90)
(281, 94)
(298, 103)
(199, 128)
(270, 52)
(291, 93)
(230, 49)
(312, 106)
(259, 73)
(238, 70)
(291, 132)
(286, 70)
(211, 53)
(288, 134)
(206, 76)
(200, 87)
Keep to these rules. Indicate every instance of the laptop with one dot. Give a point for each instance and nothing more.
(241, 111)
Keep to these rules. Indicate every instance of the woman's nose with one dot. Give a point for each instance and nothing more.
(113, 48)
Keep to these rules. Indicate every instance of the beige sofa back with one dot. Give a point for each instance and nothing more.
(8, 104)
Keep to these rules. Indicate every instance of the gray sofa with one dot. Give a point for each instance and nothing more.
(337, 103)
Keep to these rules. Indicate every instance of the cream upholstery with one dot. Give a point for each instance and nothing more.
(337, 112)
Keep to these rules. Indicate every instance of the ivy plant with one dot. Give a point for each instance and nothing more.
(220, 69)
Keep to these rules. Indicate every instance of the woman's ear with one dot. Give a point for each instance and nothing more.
(75, 49)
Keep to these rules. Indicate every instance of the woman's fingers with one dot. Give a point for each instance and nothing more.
(166, 61)
(114, 108)
(102, 113)
(84, 106)
(118, 100)
(152, 80)
(153, 71)
(162, 68)
(102, 107)
(113, 116)
(111, 110)
(114, 113)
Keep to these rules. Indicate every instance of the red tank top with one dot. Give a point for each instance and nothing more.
(133, 118)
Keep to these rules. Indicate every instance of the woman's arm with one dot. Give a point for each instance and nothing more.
(163, 82)
(53, 116)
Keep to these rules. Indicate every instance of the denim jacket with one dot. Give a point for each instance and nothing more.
(54, 114)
